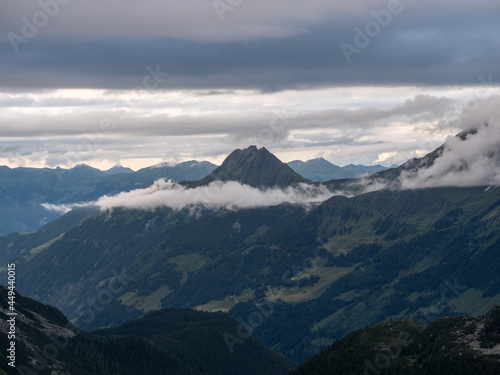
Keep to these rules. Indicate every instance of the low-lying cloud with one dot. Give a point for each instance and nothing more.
(226, 195)
(473, 161)
(63, 208)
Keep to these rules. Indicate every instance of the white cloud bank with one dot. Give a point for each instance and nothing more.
(473, 161)
(228, 195)
(63, 208)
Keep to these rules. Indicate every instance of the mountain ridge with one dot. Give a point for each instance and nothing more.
(23, 190)
(322, 170)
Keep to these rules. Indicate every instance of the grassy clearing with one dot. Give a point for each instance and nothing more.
(188, 263)
(421, 266)
(146, 303)
(327, 276)
(227, 303)
(40, 248)
(472, 302)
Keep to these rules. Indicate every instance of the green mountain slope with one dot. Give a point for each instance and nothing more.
(394, 264)
(26, 245)
(447, 346)
(163, 256)
(383, 254)
(172, 341)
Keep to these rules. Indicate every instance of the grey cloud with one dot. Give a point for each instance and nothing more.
(99, 122)
(190, 19)
(479, 111)
(69, 151)
(74, 137)
(420, 108)
(426, 44)
(198, 20)
(424, 108)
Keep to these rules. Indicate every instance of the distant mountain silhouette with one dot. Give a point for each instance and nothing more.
(322, 170)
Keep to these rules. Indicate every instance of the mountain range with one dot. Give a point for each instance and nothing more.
(297, 277)
(28, 195)
(322, 170)
(24, 190)
(320, 270)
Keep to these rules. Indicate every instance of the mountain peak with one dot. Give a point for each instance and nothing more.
(118, 168)
(83, 165)
(84, 171)
(255, 167)
(246, 155)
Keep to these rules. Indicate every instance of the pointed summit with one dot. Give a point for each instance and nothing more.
(254, 167)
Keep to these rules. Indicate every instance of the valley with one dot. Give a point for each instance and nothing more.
(334, 266)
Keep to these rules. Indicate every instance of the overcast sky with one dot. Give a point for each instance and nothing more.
(137, 83)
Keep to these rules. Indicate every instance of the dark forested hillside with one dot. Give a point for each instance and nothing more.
(26, 245)
(172, 341)
(447, 346)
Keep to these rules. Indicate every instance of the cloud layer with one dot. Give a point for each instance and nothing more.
(227, 195)
(57, 128)
(261, 45)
